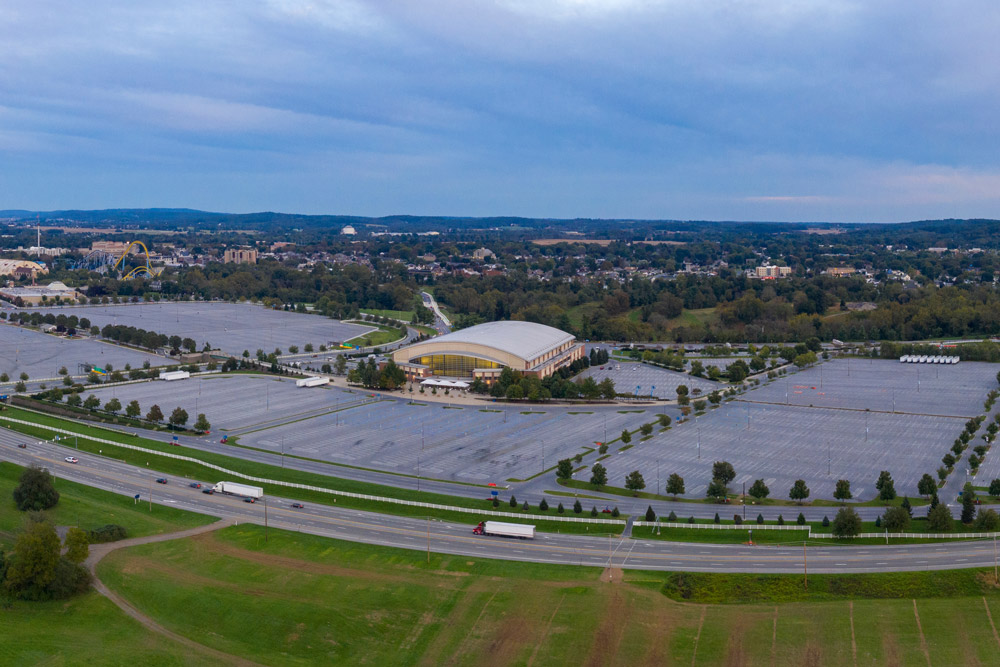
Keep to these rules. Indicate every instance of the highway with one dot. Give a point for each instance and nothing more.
(424, 534)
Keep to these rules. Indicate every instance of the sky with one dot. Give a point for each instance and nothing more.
(781, 110)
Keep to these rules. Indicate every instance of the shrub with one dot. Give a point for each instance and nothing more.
(716, 519)
(846, 523)
(672, 516)
(690, 519)
(760, 519)
(561, 509)
(801, 520)
(544, 505)
(781, 520)
(577, 507)
(107, 533)
(826, 521)
(737, 520)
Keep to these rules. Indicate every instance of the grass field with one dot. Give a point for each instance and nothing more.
(382, 336)
(405, 315)
(315, 601)
(87, 508)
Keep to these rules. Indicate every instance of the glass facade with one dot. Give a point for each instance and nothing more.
(455, 365)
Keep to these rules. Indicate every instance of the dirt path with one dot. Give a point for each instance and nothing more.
(99, 551)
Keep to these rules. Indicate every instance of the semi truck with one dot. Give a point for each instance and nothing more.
(502, 529)
(170, 376)
(315, 381)
(237, 489)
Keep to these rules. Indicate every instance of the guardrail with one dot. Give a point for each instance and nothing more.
(721, 526)
(320, 489)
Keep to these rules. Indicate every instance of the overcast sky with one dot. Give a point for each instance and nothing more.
(694, 109)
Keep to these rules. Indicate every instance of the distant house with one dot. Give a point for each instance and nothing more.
(348, 231)
(482, 254)
(239, 256)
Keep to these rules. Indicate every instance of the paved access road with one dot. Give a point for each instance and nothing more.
(420, 534)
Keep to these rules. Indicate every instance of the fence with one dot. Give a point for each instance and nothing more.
(808, 529)
(721, 526)
(320, 489)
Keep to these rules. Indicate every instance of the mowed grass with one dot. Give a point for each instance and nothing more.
(311, 600)
(88, 507)
(85, 630)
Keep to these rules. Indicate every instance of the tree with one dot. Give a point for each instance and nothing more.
(92, 402)
(544, 505)
(577, 507)
(646, 429)
(801, 519)
(114, 405)
(155, 414)
(799, 490)
(723, 471)
(927, 486)
(939, 519)
(896, 519)
(675, 485)
(599, 475)
(132, 409)
(201, 424)
(35, 490)
(626, 436)
(178, 417)
(716, 489)
(77, 545)
(513, 501)
(847, 523)
(340, 365)
(987, 520)
(968, 503)
(650, 514)
(36, 555)
(564, 469)
(62, 370)
(886, 487)
(995, 488)
(842, 491)
(907, 506)
(759, 490)
(664, 420)
(20, 387)
(634, 482)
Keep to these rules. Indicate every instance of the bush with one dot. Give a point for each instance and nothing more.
(760, 519)
(987, 520)
(672, 516)
(801, 520)
(593, 511)
(737, 520)
(939, 519)
(846, 523)
(107, 533)
(781, 520)
(615, 513)
(513, 501)
(896, 519)
(690, 519)
(544, 505)
(561, 509)
(826, 522)
(716, 519)
(650, 514)
(577, 507)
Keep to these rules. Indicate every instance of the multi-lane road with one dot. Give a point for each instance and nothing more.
(438, 536)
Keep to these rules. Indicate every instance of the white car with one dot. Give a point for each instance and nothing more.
(71, 459)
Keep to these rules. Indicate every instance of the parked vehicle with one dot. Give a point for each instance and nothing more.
(502, 529)
(237, 489)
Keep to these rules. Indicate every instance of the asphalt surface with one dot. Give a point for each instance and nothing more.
(421, 534)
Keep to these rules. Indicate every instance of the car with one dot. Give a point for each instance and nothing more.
(249, 500)
(195, 485)
(208, 491)
(298, 506)
(71, 459)
(161, 480)
(22, 446)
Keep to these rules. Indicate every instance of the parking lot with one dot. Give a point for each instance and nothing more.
(477, 443)
(876, 384)
(41, 355)
(646, 380)
(231, 327)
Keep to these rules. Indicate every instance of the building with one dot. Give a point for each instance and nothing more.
(770, 271)
(111, 247)
(840, 271)
(484, 350)
(54, 292)
(21, 268)
(239, 256)
(482, 254)
(348, 231)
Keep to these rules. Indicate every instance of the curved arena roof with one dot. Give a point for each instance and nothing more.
(526, 340)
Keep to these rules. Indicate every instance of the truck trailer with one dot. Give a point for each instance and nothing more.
(170, 376)
(314, 381)
(237, 489)
(518, 530)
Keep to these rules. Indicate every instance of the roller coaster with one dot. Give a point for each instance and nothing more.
(103, 261)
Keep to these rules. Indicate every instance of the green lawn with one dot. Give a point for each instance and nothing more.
(85, 630)
(382, 336)
(88, 507)
(311, 600)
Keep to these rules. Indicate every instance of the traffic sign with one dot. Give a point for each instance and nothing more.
(494, 493)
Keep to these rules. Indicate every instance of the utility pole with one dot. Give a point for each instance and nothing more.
(265, 518)
(150, 497)
(428, 539)
(805, 566)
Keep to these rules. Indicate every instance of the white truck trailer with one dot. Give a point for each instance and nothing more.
(315, 381)
(170, 376)
(237, 489)
(502, 529)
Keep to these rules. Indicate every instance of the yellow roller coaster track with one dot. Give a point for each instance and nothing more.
(139, 269)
